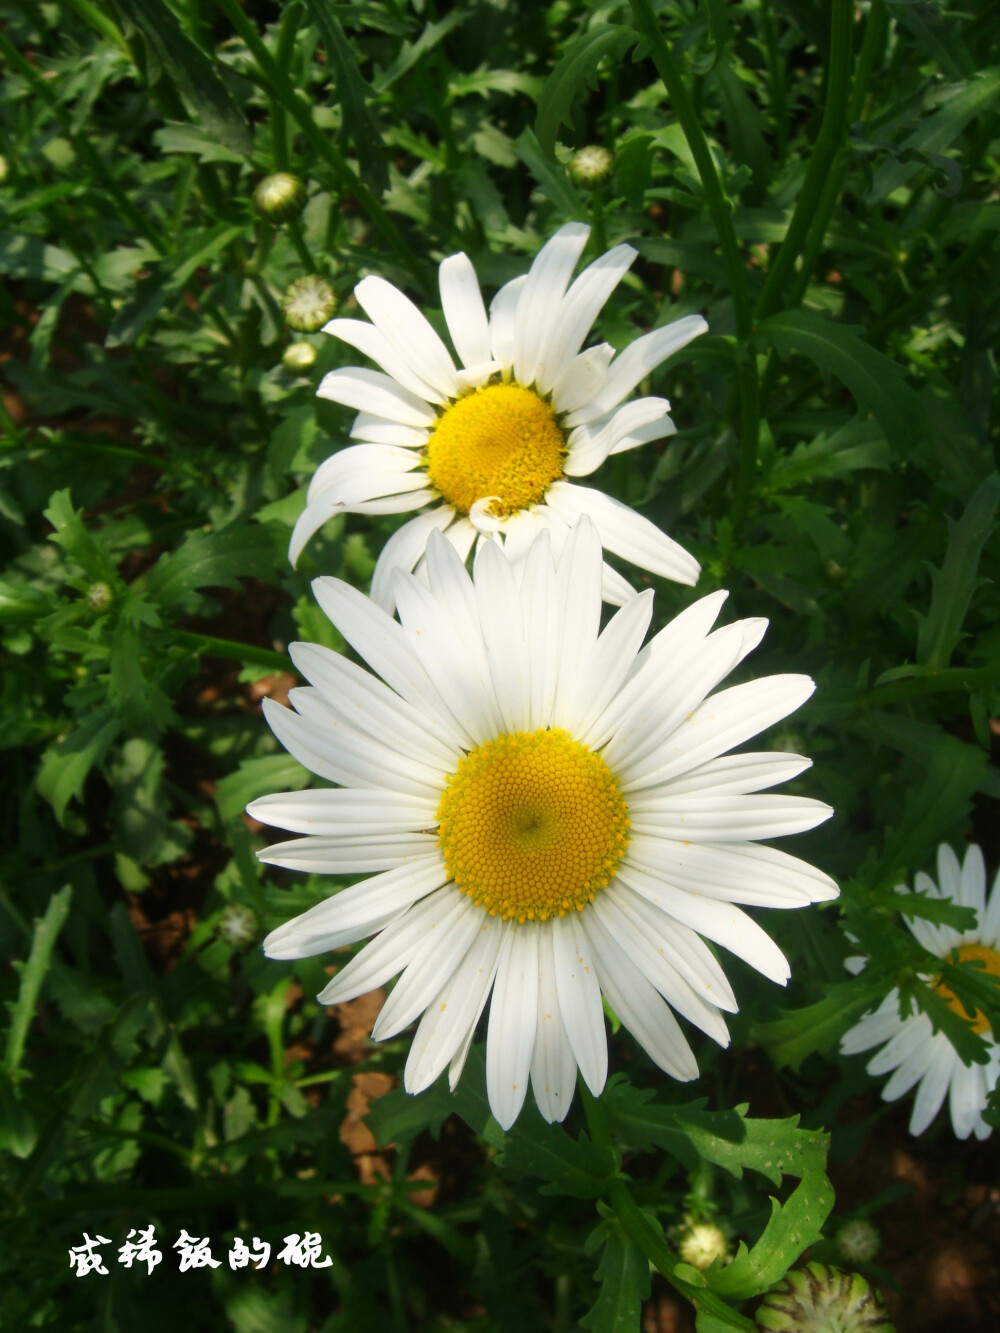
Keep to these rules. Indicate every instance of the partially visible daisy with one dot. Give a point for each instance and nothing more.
(913, 1050)
(492, 447)
(545, 812)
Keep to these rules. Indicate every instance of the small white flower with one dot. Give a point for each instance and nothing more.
(913, 1050)
(494, 447)
(546, 812)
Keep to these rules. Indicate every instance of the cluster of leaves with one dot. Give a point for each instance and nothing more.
(823, 186)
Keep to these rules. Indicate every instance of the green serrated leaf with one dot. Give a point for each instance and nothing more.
(623, 1273)
(815, 1027)
(577, 66)
(573, 1167)
(32, 974)
(793, 1227)
(875, 380)
(209, 559)
(258, 777)
(956, 580)
(66, 763)
(550, 175)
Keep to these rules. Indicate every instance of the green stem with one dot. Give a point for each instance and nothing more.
(278, 81)
(721, 209)
(828, 142)
(100, 23)
(946, 681)
(290, 21)
(641, 1231)
(301, 249)
(231, 649)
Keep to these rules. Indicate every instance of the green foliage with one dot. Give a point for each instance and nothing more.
(820, 182)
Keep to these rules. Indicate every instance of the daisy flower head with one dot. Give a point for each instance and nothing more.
(543, 811)
(912, 1051)
(494, 444)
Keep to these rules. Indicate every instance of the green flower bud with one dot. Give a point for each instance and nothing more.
(703, 1243)
(308, 304)
(4, 170)
(280, 197)
(858, 1240)
(237, 925)
(591, 166)
(818, 1299)
(298, 357)
(99, 597)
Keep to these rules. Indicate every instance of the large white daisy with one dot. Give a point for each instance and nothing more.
(492, 447)
(913, 1051)
(545, 811)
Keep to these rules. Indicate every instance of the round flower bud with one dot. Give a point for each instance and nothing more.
(237, 925)
(818, 1299)
(703, 1243)
(280, 197)
(4, 169)
(298, 357)
(591, 166)
(99, 597)
(858, 1240)
(308, 304)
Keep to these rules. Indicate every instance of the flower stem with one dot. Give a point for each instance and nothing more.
(230, 648)
(721, 209)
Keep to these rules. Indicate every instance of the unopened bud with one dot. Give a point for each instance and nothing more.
(99, 597)
(858, 1240)
(702, 1244)
(308, 304)
(280, 197)
(591, 166)
(4, 170)
(298, 357)
(818, 1299)
(237, 925)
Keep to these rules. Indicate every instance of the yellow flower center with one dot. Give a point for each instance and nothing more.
(501, 440)
(531, 825)
(971, 953)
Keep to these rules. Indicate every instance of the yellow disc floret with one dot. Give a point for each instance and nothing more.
(531, 825)
(990, 961)
(501, 440)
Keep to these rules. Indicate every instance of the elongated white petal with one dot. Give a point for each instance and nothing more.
(580, 1000)
(371, 342)
(346, 855)
(413, 494)
(444, 946)
(972, 881)
(364, 907)
(385, 465)
(390, 950)
(637, 361)
(590, 447)
(376, 430)
(403, 549)
(659, 429)
(990, 929)
(510, 1037)
(541, 630)
(734, 872)
(639, 1005)
(455, 1010)
(934, 1084)
(338, 811)
(371, 391)
(603, 668)
(581, 377)
(464, 312)
(539, 303)
(729, 818)
(503, 311)
(910, 1041)
(408, 333)
(577, 311)
(500, 616)
(553, 1068)
(624, 532)
(579, 602)
(730, 774)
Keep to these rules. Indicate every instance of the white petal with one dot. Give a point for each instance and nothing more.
(732, 774)
(580, 1000)
(581, 378)
(431, 967)
(949, 873)
(720, 922)
(390, 951)
(403, 549)
(513, 1020)
(615, 590)
(383, 644)
(377, 430)
(500, 617)
(973, 883)
(456, 1009)
(577, 312)
(911, 1041)
(578, 596)
(339, 810)
(989, 931)
(742, 873)
(541, 629)
(638, 1005)
(347, 855)
(464, 312)
(542, 294)
(357, 911)
(967, 1098)
(624, 532)
(712, 818)
(385, 464)
(660, 429)
(371, 391)
(934, 1085)
(408, 332)
(503, 311)
(637, 361)
(873, 1028)
(371, 342)
(603, 668)
(553, 1068)
(727, 719)
(590, 446)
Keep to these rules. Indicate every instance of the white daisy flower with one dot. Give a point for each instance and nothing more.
(495, 446)
(545, 811)
(913, 1051)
